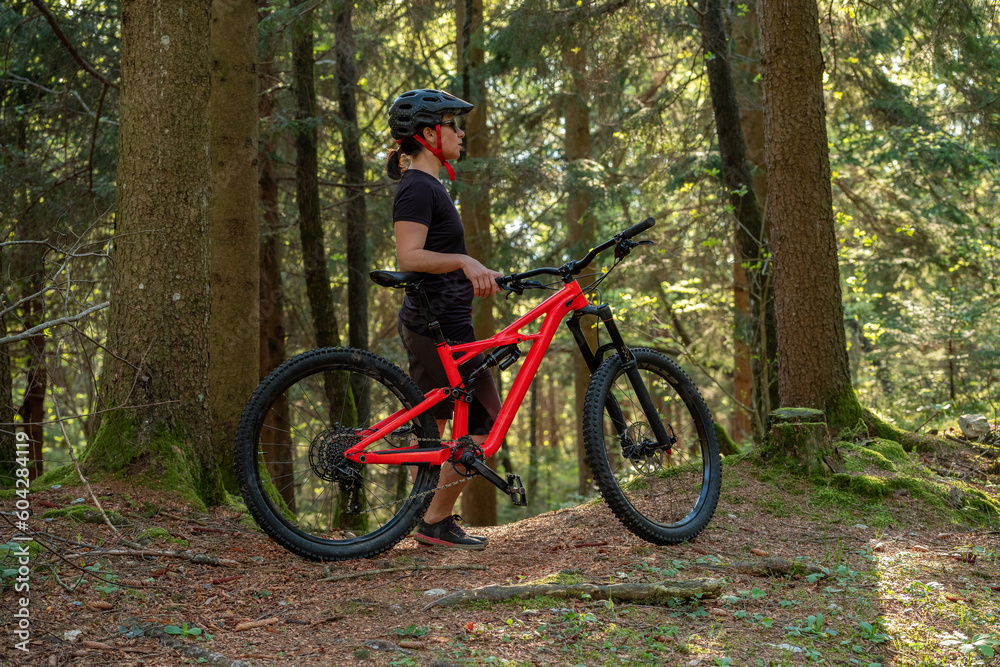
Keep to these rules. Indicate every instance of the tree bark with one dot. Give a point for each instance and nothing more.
(233, 240)
(580, 222)
(7, 411)
(812, 357)
(277, 452)
(158, 321)
(318, 288)
(479, 499)
(746, 71)
(32, 410)
(307, 186)
(356, 228)
(749, 229)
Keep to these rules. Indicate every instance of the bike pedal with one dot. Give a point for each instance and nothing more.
(515, 489)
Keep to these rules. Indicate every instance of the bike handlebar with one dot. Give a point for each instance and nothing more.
(573, 267)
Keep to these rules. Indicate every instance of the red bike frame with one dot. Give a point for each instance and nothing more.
(567, 300)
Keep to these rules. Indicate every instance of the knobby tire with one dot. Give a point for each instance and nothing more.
(664, 498)
(291, 437)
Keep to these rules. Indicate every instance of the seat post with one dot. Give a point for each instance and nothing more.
(433, 326)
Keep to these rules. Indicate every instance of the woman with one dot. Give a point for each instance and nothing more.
(430, 239)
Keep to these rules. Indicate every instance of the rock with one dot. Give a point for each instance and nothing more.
(899, 493)
(435, 592)
(861, 526)
(974, 425)
(957, 497)
(396, 609)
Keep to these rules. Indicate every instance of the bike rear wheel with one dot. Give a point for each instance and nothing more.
(665, 495)
(289, 455)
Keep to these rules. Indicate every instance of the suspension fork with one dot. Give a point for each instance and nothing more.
(631, 367)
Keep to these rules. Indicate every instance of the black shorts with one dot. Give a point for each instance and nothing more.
(427, 371)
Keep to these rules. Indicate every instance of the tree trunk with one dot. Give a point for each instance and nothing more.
(32, 410)
(158, 321)
(533, 446)
(318, 288)
(233, 239)
(812, 356)
(7, 411)
(749, 229)
(307, 186)
(580, 222)
(746, 75)
(479, 499)
(356, 229)
(272, 326)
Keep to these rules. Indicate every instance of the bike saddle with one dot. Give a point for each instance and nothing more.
(397, 279)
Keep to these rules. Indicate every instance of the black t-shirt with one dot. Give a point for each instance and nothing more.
(423, 199)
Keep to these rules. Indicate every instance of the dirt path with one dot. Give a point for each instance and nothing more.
(898, 581)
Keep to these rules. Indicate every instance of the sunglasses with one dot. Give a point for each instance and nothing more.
(453, 124)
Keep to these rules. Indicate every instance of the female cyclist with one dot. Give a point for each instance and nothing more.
(430, 239)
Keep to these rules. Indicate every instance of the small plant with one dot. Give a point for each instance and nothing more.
(185, 631)
(984, 644)
(872, 633)
(813, 626)
(413, 630)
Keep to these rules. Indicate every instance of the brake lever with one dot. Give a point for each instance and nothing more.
(624, 247)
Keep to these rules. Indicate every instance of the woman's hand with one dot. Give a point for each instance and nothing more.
(483, 280)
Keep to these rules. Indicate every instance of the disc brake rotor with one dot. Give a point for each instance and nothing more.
(640, 435)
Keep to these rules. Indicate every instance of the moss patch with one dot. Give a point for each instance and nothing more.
(893, 451)
(568, 578)
(86, 515)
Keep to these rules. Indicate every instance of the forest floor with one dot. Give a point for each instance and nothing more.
(901, 583)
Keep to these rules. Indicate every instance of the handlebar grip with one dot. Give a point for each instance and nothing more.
(638, 227)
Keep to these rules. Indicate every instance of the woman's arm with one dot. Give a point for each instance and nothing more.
(411, 256)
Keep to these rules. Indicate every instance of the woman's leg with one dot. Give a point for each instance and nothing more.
(443, 504)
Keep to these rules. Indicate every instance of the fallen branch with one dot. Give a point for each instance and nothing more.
(201, 559)
(659, 594)
(769, 567)
(407, 568)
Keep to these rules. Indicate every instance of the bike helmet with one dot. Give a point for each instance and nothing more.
(424, 106)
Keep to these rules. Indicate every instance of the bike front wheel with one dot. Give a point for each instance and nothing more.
(662, 494)
(290, 461)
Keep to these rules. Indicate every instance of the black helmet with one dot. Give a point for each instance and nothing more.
(425, 106)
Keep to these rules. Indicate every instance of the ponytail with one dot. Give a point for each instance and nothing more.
(408, 146)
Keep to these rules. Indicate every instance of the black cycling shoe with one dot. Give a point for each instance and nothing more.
(447, 533)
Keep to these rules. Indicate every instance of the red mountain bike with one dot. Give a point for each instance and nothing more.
(338, 454)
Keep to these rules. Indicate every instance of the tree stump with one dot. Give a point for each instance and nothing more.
(801, 435)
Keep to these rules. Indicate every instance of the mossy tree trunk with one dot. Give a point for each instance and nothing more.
(479, 499)
(812, 351)
(233, 262)
(156, 377)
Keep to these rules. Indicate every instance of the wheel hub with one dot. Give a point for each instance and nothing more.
(326, 455)
(641, 449)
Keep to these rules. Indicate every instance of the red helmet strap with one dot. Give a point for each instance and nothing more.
(437, 152)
